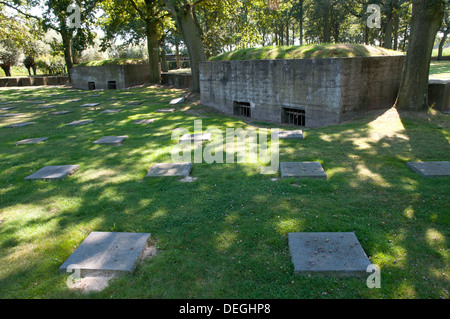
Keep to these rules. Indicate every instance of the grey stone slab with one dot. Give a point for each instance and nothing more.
(90, 104)
(94, 95)
(62, 97)
(112, 99)
(80, 122)
(297, 134)
(177, 101)
(11, 114)
(74, 100)
(8, 108)
(60, 113)
(430, 169)
(302, 170)
(165, 110)
(114, 140)
(170, 169)
(5, 103)
(108, 252)
(32, 140)
(19, 124)
(54, 172)
(37, 102)
(195, 137)
(328, 253)
(146, 121)
(111, 111)
(47, 107)
(134, 103)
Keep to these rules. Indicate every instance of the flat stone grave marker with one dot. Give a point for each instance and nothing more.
(112, 99)
(60, 113)
(170, 169)
(47, 106)
(11, 114)
(90, 104)
(111, 111)
(298, 134)
(19, 124)
(80, 122)
(30, 98)
(328, 253)
(134, 103)
(177, 101)
(302, 170)
(8, 108)
(108, 252)
(37, 102)
(5, 103)
(430, 169)
(114, 140)
(32, 140)
(147, 121)
(54, 172)
(62, 97)
(165, 110)
(195, 137)
(74, 100)
(94, 95)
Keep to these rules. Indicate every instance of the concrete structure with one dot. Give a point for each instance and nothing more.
(308, 92)
(328, 253)
(439, 94)
(291, 135)
(176, 79)
(19, 124)
(80, 122)
(430, 169)
(109, 76)
(107, 252)
(36, 140)
(34, 80)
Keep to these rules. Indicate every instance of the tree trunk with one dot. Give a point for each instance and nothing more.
(326, 24)
(177, 48)
(185, 16)
(425, 22)
(441, 44)
(67, 44)
(388, 30)
(153, 52)
(6, 69)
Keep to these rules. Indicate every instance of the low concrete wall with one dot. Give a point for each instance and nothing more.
(178, 80)
(439, 94)
(123, 76)
(327, 90)
(34, 80)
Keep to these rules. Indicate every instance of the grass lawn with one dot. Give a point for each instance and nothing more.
(225, 234)
(440, 69)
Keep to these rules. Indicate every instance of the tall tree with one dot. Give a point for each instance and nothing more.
(426, 20)
(445, 30)
(184, 12)
(55, 17)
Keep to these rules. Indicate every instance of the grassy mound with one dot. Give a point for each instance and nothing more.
(112, 62)
(313, 51)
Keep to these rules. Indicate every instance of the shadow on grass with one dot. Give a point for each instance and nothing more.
(225, 235)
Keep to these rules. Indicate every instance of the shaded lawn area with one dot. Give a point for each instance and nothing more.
(224, 235)
(440, 69)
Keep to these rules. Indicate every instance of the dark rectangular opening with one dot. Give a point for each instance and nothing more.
(293, 116)
(112, 85)
(242, 109)
(91, 85)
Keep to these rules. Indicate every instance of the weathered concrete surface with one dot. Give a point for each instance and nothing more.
(113, 140)
(19, 124)
(430, 169)
(108, 252)
(297, 134)
(34, 80)
(54, 172)
(328, 90)
(124, 76)
(35, 140)
(80, 122)
(170, 169)
(328, 253)
(439, 94)
(178, 80)
(302, 170)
